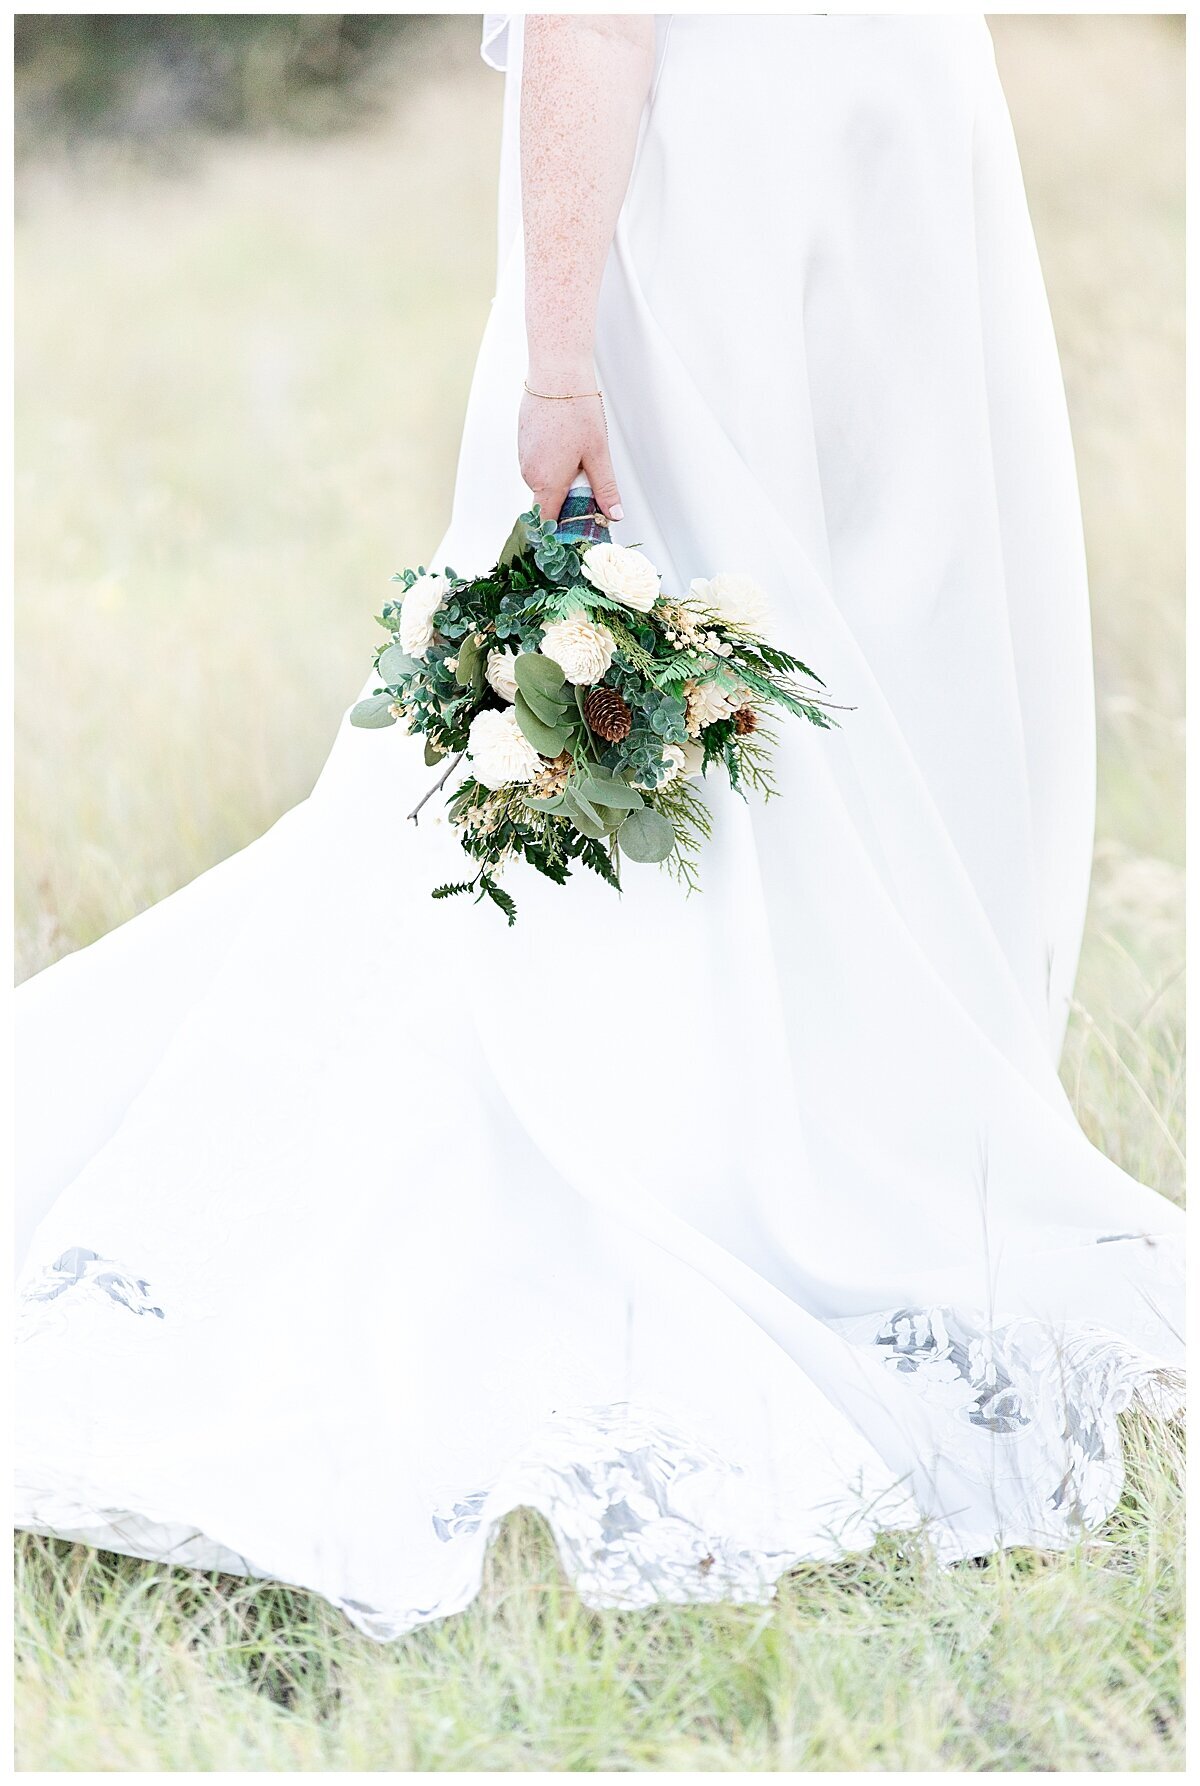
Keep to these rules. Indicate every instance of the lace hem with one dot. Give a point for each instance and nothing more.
(643, 1512)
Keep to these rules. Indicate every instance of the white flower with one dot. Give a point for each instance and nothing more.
(733, 597)
(499, 750)
(417, 610)
(500, 674)
(581, 649)
(626, 575)
(693, 759)
(707, 702)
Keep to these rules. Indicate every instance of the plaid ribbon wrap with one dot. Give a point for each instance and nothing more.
(579, 522)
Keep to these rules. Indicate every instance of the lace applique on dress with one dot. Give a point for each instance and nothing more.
(80, 1269)
(961, 1360)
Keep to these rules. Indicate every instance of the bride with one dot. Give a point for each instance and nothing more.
(726, 1231)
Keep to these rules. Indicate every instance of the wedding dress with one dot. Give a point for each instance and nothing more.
(726, 1231)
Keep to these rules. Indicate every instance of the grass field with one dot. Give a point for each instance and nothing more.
(240, 380)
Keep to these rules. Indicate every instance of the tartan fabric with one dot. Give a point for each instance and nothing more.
(578, 520)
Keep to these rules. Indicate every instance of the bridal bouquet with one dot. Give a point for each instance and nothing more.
(586, 702)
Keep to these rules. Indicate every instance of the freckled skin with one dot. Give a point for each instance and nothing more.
(584, 82)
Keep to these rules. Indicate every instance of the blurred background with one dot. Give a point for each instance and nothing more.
(254, 259)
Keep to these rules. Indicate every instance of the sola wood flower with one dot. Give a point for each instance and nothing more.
(417, 611)
(500, 667)
(624, 574)
(581, 649)
(732, 597)
(500, 752)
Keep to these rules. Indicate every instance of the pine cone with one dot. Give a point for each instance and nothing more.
(608, 715)
(745, 720)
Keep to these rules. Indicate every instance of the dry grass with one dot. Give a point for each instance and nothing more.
(240, 385)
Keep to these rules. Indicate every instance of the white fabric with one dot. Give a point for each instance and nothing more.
(724, 1230)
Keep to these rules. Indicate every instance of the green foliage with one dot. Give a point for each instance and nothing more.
(616, 799)
(549, 741)
(646, 836)
(158, 79)
(395, 666)
(469, 668)
(539, 675)
(684, 805)
(551, 713)
(373, 713)
(605, 789)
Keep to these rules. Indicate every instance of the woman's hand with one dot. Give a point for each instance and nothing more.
(556, 440)
(584, 81)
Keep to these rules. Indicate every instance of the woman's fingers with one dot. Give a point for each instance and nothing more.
(597, 467)
(550, 498)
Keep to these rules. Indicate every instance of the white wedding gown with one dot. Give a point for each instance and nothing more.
(726, 1231)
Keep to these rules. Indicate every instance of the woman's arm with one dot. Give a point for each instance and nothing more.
(584, 82)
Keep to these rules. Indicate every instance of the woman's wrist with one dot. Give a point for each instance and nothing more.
(562, 378)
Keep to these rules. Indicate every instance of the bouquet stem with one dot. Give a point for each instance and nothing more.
(441, 781)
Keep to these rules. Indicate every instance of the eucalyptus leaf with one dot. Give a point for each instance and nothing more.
(550, 556)
(469, 656)
(534, 670)
(433, 755)
(591, 827)
(547, 741)
(646, 836)
(549, 712)
(395, 664)
(375, 712)
(583, 805)
(553, 804)
(605, 791)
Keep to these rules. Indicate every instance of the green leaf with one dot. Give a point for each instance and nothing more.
(374, 712)
(394, 665)
(600, 862)
(547, 741)
(605, 791)
(549, 712)
(541, 674)
(589, 823)
(499, 897)
(646, 836)
(553, 804)
(550, 556)
(519, 540)
(470, 656)
(433, 755)
(583, 805)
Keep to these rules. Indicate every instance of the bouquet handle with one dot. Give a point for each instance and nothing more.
(580, 521)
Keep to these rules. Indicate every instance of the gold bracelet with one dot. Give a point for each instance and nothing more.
(561, 397)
